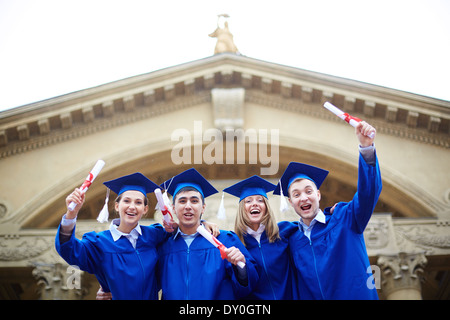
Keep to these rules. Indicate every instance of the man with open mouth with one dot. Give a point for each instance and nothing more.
(328, 250)
(190, 267)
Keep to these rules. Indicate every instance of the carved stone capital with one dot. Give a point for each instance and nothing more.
(401, 275)
(59, 282)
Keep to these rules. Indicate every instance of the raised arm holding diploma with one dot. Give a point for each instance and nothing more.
(353, 121)
(327, 250)
(124, 257)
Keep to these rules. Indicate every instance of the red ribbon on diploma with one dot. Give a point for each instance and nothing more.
(208, 236)
(349, 117)
(162, 206)
(221, 247)
(166, 211)
(353, 121)
(87, 183)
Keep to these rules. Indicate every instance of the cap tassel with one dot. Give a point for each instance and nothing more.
(221, 213)
(283, 203)
(104, 213)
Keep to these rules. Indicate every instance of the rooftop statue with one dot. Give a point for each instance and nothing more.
(224, 37)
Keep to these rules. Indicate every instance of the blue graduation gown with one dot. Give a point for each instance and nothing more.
(273, 264)
(334, 263)
(199, 273)
(128, 273)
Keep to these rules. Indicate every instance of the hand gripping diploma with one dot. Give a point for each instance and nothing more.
(232, 254)
(87, 183)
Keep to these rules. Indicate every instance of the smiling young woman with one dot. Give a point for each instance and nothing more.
(253, 212)
(124, 257)
(264, 238)
(132, 206)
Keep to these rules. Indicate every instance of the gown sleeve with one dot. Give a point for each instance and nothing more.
(241, 289)
(365, 199)
(82, 253)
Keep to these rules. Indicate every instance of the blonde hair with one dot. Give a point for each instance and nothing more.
(242, 222)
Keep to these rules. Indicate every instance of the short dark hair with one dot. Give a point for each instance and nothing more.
(185, 189)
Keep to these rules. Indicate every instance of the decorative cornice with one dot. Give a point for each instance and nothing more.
(431, 237)
(396, 129)
(37, 246)
(15, 247)
(86, 112)
(102, 123)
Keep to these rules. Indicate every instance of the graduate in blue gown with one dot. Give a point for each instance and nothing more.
(328, 250)
(267, 241)
(124, 257)
(189, 266)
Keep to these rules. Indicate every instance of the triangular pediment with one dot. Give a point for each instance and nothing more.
(402, 113)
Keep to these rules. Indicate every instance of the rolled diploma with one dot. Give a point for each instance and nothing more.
(89, 179)
(216, 243)
(341, 115)
(162, 206)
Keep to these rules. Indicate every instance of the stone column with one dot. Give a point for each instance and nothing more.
(59, 282)
(401, 275)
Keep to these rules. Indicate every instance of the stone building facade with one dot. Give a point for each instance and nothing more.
(166, 121)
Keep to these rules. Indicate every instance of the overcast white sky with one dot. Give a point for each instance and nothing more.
(53, 47)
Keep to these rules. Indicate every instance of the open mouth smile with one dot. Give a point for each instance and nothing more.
(305, 207)
(131, 214)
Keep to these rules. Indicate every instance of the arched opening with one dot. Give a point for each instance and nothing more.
(340, 184)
